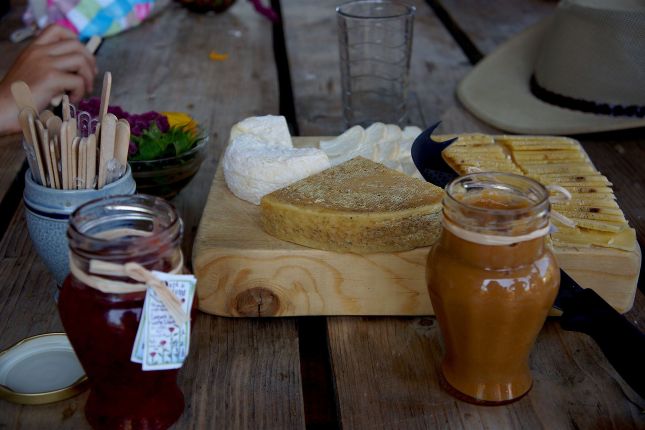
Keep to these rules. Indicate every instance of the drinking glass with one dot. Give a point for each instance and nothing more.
(375, 40)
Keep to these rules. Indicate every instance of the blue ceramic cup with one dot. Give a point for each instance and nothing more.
(47, 211)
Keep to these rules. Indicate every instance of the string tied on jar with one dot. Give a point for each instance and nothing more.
(99, 269)
(562, 195)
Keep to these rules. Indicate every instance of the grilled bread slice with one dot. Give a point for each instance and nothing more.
(554, 161)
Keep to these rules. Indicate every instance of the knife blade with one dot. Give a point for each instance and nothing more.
(583, 310)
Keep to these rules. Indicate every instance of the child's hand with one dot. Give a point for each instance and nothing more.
(54, 63)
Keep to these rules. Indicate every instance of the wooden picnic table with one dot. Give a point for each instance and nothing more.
(315, 372)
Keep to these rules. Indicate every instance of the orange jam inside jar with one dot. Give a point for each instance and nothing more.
(492, 281)
(102, 326)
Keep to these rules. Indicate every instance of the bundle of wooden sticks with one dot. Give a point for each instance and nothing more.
(62, 157)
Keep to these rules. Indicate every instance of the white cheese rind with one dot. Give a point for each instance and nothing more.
(270, 128)
(254, 167)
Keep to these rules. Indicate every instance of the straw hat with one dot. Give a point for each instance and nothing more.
(581, 70)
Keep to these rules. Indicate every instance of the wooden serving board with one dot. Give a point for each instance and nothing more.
(242, 271)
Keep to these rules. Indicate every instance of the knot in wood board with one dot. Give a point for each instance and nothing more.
(257, 302)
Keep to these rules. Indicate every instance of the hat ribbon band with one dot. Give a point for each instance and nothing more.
(582, 105)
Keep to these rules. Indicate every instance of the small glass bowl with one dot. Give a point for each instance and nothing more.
(166, 177)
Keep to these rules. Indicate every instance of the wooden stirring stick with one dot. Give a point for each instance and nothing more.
(29, 144)
(53, 125)
(75, 181)
(46, 115)
(82, 163)
(71, 135)
(106, 149)
(122, 142)
(36, 147)
(54, 165)
(43, 143)
(54, 128)
(64, 161)
(105, 95)
(54, 149)
(23, 97)
(67, 114)
(91, 161)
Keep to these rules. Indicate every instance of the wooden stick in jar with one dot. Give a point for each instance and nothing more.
(36, 146)
(46, 115)
(82, 163)
(23, 97)
(64, 160)
(106, 150)
(91, 161)
(43, 143)
(53, 125)
(74, 152)
(67, 110)
(29, 144)
(54, 166)
(122, 142)
(71, 135)
(105, 95)
(54, 129)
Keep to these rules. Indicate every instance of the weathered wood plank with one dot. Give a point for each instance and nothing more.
(488, 27)
(392, 367)
(240, 373)
(386, 369)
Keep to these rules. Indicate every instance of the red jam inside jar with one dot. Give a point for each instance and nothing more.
(102, 326)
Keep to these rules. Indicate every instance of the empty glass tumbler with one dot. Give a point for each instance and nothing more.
(375, 40)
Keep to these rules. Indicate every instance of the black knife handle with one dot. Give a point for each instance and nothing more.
(622, 343)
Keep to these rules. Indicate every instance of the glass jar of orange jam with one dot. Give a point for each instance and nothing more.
(102, 326)
(492, 281)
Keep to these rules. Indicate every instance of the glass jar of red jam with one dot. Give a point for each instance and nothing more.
(102, 327)
(492, 280)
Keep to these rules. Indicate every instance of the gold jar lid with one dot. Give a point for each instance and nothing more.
(41, 369)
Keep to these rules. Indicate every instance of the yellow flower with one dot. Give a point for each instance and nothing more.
(182, 120)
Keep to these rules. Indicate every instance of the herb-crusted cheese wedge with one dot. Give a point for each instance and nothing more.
(359, 206)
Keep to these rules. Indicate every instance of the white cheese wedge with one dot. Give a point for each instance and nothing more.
(254, 167)
(375, 133)
(383, 143)
(389, 144)
(269, 128)
(346, 142)
(411, 132)
(408, 135)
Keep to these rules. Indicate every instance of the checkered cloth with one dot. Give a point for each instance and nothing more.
(89, 17)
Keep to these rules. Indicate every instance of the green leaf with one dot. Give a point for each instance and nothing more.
(153, 144)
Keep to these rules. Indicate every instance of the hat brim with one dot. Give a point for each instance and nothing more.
(497, 92)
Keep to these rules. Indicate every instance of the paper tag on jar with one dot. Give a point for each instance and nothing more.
(161, 343)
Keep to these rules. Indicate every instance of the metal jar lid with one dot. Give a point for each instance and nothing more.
(41, 369)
